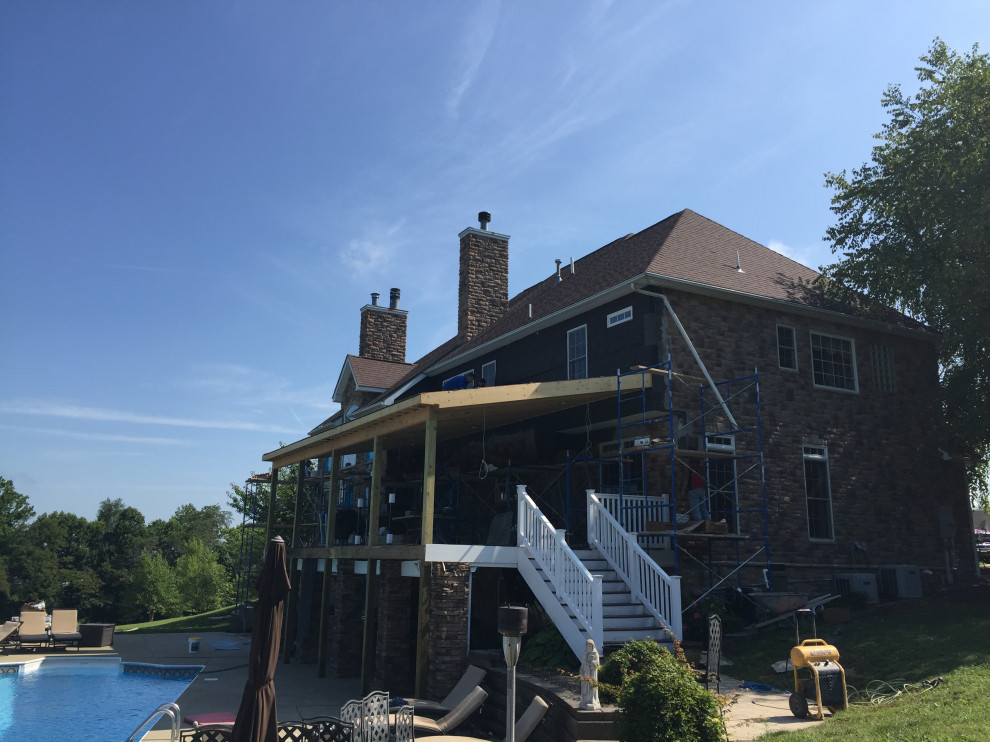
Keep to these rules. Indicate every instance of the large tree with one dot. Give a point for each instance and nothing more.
(913, 232)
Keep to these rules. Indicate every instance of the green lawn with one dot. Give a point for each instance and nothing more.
(222, 619)
(887, 652)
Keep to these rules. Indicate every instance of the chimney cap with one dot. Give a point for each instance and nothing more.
(374, 298)
(483, 219)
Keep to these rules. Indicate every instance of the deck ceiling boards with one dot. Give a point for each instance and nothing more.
(458, 414)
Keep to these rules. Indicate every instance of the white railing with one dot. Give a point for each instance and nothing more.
(634, 511)
(649, 584)
(570, 580)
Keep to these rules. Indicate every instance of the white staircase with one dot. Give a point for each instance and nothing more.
(611, 592)
(623, 617)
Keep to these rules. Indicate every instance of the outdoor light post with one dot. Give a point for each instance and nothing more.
(511, 625)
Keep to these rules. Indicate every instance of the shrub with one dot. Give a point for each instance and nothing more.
(659, 698)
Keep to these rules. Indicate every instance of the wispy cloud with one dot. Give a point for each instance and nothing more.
(103, 437)
(98, 414)
(474, 47)
(374, 251)
(249, 387)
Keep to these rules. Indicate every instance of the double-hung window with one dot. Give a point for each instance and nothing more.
(577, 353)
(786, 348)
(818, 493)
(488, 373)
(833, 362)
(883, 370)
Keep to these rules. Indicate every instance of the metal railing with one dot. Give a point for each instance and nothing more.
(166, 709)
(659, 592)
(570, 580)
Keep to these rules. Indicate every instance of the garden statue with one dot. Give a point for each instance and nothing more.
(589, 678)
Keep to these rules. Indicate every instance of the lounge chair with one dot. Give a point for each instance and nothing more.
(470, 680)
(65, 627)
(531, 717)
(8, 633)
(33, 629)
(457, 716)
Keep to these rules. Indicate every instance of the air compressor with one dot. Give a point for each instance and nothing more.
(818, 677)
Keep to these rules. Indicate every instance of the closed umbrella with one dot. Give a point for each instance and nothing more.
(256, 718)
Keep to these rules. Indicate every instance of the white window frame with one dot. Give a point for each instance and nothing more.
(793, 348)
(852, 362)
(572, 359)
(488, 373)
(617, 318)
(815, 453)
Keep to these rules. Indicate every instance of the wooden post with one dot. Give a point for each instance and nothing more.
(329, 535)
(300, 474)
(429, 476)
(429, 491)
(272, 494)
(375, 496)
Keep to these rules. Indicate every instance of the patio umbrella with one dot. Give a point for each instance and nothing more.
(256, 718)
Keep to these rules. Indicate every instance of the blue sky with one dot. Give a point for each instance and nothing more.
(196, 199)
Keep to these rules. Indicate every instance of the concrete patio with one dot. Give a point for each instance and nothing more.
(301, 694)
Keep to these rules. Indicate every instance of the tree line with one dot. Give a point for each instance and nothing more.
(118, 568)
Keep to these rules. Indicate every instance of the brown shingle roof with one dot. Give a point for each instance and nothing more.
(371, 373)
(685, 247)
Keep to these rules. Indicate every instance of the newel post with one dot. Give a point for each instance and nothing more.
(597, 611)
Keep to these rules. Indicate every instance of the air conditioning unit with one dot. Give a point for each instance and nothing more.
(900, 581)
(723, 443)
(861, 583)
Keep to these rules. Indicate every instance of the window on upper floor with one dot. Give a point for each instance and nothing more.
(818, 493)
(786, 348)
(883, 370)
(488, 373)
(833, 362)
(617, 318)
(577, 353)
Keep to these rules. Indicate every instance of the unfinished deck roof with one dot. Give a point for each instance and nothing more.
(457, 414)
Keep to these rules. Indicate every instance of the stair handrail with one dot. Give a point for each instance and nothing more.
(570, 580)
(166, 709)
(659, 592)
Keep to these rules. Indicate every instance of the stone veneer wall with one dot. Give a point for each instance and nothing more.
(483, 287)
(449, 600)
(395, 648)
(383, 334)
(345, 628)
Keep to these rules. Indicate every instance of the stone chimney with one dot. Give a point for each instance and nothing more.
(383, 330)
(483, 289)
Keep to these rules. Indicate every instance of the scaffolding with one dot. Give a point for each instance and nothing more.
(661, 452)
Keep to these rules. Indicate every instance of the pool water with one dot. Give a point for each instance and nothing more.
(83, 700)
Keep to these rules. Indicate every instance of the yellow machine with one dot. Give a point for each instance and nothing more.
(824, 683)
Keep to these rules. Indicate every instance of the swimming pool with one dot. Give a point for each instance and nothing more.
(99, 699)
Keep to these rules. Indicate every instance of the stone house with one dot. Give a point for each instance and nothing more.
(684, 348)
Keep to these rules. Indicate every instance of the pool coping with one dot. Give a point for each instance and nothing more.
(136, 668)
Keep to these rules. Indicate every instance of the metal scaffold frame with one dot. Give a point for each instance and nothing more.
(724, 436)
